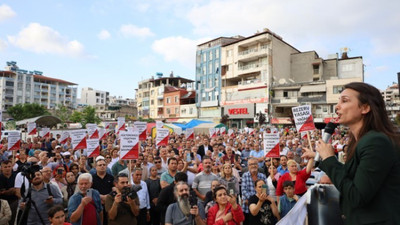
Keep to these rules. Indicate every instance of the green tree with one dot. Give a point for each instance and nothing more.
(76, 117)
(64, 113)
(89, 116)
(27, 110)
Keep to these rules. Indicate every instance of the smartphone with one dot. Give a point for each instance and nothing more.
(264, 189)
(89, 193)
(231, 188)
(188, 158)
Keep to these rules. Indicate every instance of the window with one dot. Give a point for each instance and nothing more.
(348, 67)
(168, 111)
(152, 102)
(210, 70)
(204, 70)
(176, 111)
(168, 100)
(316, 69)
(337, 89)
(204, 57)
(203, 96)
(217, 54)
(211, 56)
(176, 99)
(152, 92)
(285, 94)
(191, 109)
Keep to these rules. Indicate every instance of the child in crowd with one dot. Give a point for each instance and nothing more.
(288, 200)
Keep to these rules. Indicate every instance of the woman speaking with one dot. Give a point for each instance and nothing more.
(369, 181)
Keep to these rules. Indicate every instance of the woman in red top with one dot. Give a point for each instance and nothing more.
(226, 211)
(298, 177)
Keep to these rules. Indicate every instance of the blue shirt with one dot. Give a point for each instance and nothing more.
(167, 177)
(258, 154)
(248, 189)
(281, 170)
(76, 200)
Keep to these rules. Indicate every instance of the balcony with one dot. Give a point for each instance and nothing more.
(250, 68)
(253, 54)
(251, 84)
(319, 98)
(145, 99)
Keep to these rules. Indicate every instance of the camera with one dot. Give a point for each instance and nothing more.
(192, 199)
(126, 192)
(29, 170)
(60, 171)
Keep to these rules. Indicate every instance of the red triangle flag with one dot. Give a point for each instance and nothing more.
(81, 145)
(95, 135)
(164, 141)
(143, 136)
(308, 125)
(33, 132)
(95, 153)
(274, 153)
(16, 146)
(133, 153)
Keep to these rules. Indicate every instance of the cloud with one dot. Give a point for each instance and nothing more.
(178, 49)
(129, 30)
(6, 12)
(104, 35)
(42, 39)
(300, 22)
(3, 45)
(381, 68)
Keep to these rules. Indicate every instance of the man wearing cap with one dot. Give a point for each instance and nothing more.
(93, 170)
(102, 182)
(67, 158)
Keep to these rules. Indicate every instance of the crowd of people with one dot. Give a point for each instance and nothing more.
(224, 179)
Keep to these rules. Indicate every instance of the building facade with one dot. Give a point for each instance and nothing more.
(96, 98)
(150, 94)
(22, 86)
(208, 77)
(392, 101)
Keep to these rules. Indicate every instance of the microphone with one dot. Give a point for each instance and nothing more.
(329, 130)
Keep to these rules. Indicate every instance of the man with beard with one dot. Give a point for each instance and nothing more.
(121, 211)
(166, 196)
(181, 212)
(202, 182)
(282, 169)
(43, 199)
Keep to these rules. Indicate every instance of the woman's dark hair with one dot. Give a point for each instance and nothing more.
(376, 119)
(216, 189)
(55, 209)
(258, 180)
(73, 165)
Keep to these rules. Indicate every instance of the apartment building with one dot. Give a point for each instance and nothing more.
(150, 94)
(20, 86)
(248, 67)
(96, 98)
(392, 100)
(208, 76)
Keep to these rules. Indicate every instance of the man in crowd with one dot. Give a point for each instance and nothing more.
(43, 197)
(202, 182)
(202, 150)
(121, 210)
(7, 190)
(168, 177)
(167, 197)
(102, 182)
(248, 180)
(83, 208)
(282, 169)
(143, 194)
(181, 212)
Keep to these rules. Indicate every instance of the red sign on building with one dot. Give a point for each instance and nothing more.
(238, 111)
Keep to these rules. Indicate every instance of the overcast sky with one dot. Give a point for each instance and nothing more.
(111, 45)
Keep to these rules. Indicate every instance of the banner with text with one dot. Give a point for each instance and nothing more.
(162, 137)
(159, 124)
(14, 140)
(189, 133)
(31, 128)
(64, 137)
(142, 127)
(93, 147)
(213, 132)
(78, 139)
(129, 144)
(271, 144)
(44, 132)
(231, 133)
(121, 124)
(303, 118)
(93, 133)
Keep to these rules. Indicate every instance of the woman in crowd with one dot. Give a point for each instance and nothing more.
(57, 216)
(272, 181)
(263, 209)
(369, 181)
(74, 168)
(228, 180)
(59, 177)
(226, 210)
(69, 189)
(298, 177)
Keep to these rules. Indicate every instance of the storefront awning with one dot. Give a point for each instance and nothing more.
(313, 88)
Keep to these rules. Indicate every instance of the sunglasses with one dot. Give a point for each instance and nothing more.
(157, 161)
